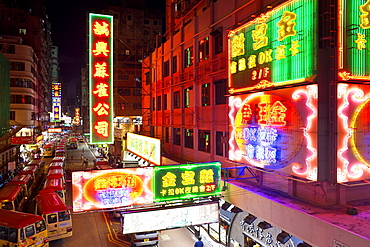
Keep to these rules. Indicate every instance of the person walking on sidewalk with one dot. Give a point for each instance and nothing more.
(199, 243)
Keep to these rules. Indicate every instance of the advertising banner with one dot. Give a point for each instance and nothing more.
(276, 130)
(146, 147)
(277, 48)
(353, 133)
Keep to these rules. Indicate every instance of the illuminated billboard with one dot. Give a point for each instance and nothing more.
(181, 182)
(353, 132)
(170, 218)
(277, 48)
(100, 189)
(101, 78)
(354, 40)
(276, 130)
(146, 147)
(56, 96)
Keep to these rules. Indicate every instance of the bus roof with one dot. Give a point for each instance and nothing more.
(58, 159)
(20, 179)
(56, 165)
(50, 202)
(103, 167)
(17, 220)
(28, 170)
(54, 184)
(35, 162)
(9, 192)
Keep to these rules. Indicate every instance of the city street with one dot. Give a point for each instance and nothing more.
(101, 229)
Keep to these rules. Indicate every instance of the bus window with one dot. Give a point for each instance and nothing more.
(40, 226)
(4, 232)
(13, 235)
(63, 216)
(30, 231)
(52, 218)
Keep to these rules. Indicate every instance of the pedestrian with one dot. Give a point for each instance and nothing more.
(199, 243)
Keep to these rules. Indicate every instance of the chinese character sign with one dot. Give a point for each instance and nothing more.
(101, 78)
(56, 96)
(276, 130)
(186, 181)
(354, 39)
(277, 48)
(146, 147)
(111, 188)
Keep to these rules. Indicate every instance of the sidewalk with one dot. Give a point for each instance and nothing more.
(177, 237)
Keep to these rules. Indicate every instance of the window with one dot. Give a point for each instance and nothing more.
(176, 136)
(155, 22)
(189, 138)
(22, 99)
(220, 92)
(204, 49)
(165, 102)
(40, 226)
(30, 231)
(204, 141)
(22, 31)
(12, 115)
(205, 94)
(33, 116)
(63, 216)
(187, 97)
(137, 106)
(146, 21)
(147, 78)
(219, 143)
(166, 68)
(166, 134)
(176, 100)
(52, 218)
(217, 41)
(153, 104)
(174, 64)
(129, 17)
(188, 57)
(159, 103)
(18, 66)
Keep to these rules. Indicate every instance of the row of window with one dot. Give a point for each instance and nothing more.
(203, 54)
(220, 91)
(22, 99)
(129, 106)
(129, 91)
(12, 115)
(186, 138)
(20, 82)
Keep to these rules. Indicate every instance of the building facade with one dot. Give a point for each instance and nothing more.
(276, 91)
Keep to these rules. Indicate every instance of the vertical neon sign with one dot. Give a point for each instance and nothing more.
(101, 78)
(56, 96)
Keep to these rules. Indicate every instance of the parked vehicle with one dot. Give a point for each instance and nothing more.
(144, 238)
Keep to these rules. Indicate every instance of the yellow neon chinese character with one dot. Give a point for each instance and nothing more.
(252, 59)
(280, 52)
(202, 188)
(100, 184)
(294, 49)
(163, 192)
(102, 128)
(188, 178)
(115, 181)
(130, 181)
(102, 109)
(360, 41)
(101, 70)
(101, 48)
(169, 180)
(171, 192)
(365, 18)
(195, 189)
(101, 90)
(187, 190)
(277, 114)
(101, 29)
(246, 113)
(242, 65)
(233, 67)
(237, 45)
(286, 25)
(259, 36)
(206, 176)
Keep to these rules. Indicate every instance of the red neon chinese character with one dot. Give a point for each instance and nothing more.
(101, 90)
(277, 115)
(102, 109)
(101, 70)
(102, 128)
(101, 28)
(101, 48)
(263, 114)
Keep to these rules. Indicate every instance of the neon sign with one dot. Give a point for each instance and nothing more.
(56, 96)
(101, 78)
(111, 188)
(353, 133)
(188, 181)
(276, 130)
(276, 48)
(354, 41)
(146, 147)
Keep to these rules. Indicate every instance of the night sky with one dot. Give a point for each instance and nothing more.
(68, 30)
